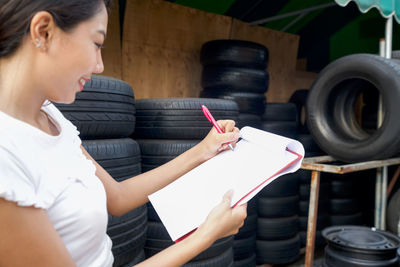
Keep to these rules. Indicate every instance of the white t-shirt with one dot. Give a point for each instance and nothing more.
(52, 173)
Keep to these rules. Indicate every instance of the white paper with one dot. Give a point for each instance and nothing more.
(184, 204)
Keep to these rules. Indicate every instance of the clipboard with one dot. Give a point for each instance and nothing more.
(259, 158)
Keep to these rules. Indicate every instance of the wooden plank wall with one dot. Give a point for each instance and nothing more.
(112, 46)
(161, 47)
(161, 50)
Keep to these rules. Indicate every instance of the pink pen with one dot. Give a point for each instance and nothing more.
(212, 120)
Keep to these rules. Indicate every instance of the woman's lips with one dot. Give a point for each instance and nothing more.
(82, 82)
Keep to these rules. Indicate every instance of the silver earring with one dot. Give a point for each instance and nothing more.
(38, 44)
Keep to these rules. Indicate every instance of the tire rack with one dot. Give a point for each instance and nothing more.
(321, 164)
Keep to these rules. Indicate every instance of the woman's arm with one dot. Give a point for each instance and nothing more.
(222, 221)
(27, 238)
(132, 193)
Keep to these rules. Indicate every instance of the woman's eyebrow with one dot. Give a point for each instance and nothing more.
(102, 32)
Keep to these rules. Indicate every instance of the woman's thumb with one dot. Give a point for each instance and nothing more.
(228, 197)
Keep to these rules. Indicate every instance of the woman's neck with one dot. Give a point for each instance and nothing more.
(19, 94)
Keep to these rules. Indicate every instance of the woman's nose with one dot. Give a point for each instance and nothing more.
(99, 66)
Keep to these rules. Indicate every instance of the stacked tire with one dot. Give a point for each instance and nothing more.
(166, 128)
(299, 98)
(278, 240)
(345, 208)
(323, 219)
(281, 119)
(293, 126)
(235, 70)
(104, 114)
(244, 243)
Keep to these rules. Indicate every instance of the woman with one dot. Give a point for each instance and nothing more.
(54, 197)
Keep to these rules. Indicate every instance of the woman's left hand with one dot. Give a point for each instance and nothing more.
(215, 142)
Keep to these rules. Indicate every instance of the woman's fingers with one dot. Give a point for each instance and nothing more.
(215, 142)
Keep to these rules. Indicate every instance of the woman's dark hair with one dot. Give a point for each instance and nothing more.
(16, 16)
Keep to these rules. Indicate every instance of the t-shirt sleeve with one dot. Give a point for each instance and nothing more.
(17, 182)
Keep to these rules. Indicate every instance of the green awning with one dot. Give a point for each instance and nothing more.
(387, 8)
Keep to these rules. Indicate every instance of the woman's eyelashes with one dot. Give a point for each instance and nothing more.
(99, 46)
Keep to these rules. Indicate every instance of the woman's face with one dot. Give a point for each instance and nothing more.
(73, 56)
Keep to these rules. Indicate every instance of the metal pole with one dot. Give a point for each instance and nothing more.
(378, 181)
(381, 174)
(312, 218)
(388, 54)
(378, 198)
(383, 197)
(388, 37)
(289, 14)
(299, 17)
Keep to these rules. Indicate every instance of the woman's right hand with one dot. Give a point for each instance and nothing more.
(223, 220)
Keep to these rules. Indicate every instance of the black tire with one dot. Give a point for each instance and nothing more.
(250, 103)
(156, 152)
(280, 112)
(347, 141)
(247, 262)
(277, 228)
(299, 98)
(396, 54)
(284, 128)
(234, 53)
(278, 252)
(105, 109)
(344, 206)
(284, 186)
(323, 207)
(322, 222)
(152, 214)
(179, 118)
(252, 206)
(343, 186)
(304, 176)
(248, 119)
(249, 227)
(310, 146)
(304, 191)
(323, 191)
(119, 157)
(353, 219)
(234, 79)
(158, 239)
(136, 213)
(393, 213)
(278, 206)
(244, 248)
(123, 232)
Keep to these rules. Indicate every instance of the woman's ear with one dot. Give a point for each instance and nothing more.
(42, 29)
